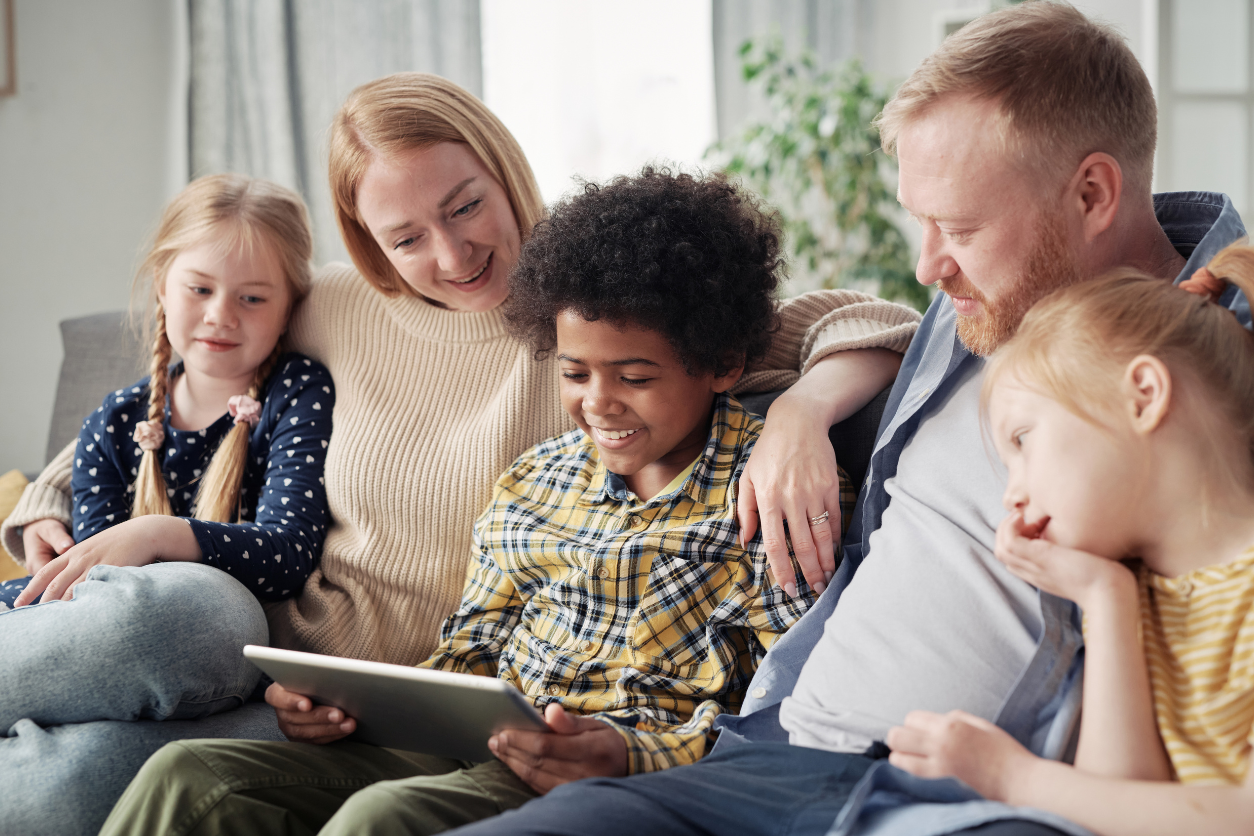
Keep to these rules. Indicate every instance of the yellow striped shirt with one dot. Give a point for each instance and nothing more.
(1199, 643)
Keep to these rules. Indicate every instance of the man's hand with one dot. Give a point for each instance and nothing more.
(578, 747)
(962, 746)
(44, 540)
(1068, 573)
(303, 722)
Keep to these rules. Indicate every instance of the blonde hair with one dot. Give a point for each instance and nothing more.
(407, 111)
(246, 213)
(1065, 87)
(1075, 345)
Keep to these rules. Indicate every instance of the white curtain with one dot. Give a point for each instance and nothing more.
(834, 30)
(267, 76)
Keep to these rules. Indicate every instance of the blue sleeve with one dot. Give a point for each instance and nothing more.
(98, 484)
(274, 554)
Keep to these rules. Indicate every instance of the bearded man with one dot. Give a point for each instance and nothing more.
(1026, 147)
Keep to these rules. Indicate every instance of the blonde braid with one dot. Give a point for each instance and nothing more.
(217, 500)
(150, 489)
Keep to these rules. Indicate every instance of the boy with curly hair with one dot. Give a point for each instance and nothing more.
(608, 581)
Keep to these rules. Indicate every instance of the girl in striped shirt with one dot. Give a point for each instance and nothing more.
(1124, 412)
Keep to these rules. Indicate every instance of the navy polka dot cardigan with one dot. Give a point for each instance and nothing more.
(277, 542)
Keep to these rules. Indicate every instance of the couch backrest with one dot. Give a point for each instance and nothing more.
(100, 354)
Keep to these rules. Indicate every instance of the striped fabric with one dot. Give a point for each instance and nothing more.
(1199, 641)
(648, 615)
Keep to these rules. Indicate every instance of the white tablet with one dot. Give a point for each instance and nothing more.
(435, 712)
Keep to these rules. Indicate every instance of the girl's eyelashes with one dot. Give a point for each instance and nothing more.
(405, 242)
(1016, 438)
(636, 381)
(574, 375)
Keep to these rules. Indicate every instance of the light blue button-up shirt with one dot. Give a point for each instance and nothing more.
(1042, 709)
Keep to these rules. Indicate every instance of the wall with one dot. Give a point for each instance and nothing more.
(905, 31)
(85, 166)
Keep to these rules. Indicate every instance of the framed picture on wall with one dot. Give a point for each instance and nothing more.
(8, 55)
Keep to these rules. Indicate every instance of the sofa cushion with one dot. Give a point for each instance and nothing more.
(11, 486)
(101, 353)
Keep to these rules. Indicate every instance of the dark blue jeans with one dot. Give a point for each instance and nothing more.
(766, 789)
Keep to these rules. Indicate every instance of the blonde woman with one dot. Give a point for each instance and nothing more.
(434, 399)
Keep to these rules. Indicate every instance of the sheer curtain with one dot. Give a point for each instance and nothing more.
(266, 77)
(834, 30)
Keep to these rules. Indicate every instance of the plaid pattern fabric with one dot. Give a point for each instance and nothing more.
(647, 615)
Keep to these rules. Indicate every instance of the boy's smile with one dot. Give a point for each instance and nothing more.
(626, 388)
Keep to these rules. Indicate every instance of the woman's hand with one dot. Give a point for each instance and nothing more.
(43, 540)
(1068, 573)
(962, 746)
(791, 476)
(303, 722)
(136, 542)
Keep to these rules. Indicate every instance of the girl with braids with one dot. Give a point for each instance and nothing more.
(1117, 409)
(216, 459)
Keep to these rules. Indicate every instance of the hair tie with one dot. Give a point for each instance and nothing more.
(1205, 284)
(244, 410)
(149, 435)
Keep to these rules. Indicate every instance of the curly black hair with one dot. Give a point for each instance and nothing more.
(694, 258)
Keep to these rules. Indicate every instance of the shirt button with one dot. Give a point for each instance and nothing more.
(758, 693)
(635, 520)
(603, 573)
(554, 690)
(585, 645)
(1185, 587)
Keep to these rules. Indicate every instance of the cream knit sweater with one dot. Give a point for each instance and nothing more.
(431, 407)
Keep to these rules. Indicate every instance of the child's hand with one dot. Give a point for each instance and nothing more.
(303, 722)
(962, 746)
(136, 542)
(577, 747)
(1068, 573)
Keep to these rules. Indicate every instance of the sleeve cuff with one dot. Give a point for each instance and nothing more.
(40, 500)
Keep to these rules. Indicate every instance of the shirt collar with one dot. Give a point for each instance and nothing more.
(708, 484)
(1198, 224)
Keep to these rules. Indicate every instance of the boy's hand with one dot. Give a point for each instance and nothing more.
(44, 540)
(1068, 573)
(962, 746)
(136, 542)
(578, 747)
(303, 722)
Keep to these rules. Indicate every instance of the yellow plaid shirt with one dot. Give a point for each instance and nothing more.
(649, 616)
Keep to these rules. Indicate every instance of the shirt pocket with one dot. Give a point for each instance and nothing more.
(679, 622)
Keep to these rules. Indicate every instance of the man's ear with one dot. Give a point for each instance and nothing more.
(1095, 191)
(1147, 386)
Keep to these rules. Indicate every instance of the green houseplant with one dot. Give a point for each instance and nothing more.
(818, 160)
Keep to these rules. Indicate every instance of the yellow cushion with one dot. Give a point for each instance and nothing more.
(11, 486)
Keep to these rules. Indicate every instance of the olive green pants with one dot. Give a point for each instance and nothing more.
(250, 787)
